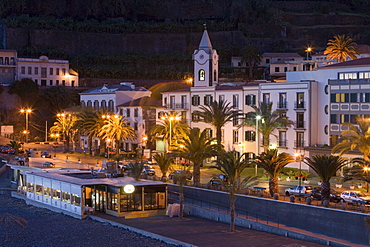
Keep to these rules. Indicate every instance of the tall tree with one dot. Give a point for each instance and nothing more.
(251, 56)
(164, 162)
(117, 128)
(66, 124)
(326, 168)
(340, 48)
(270, 121)
(197, 147)
(355, 137)
(218, 114)
(170, 128)
(273, 163)
(232, 165)
(60, 97)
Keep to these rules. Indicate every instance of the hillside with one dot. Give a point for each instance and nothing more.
(123, 39)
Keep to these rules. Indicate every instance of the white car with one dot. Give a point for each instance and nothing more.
(353, 196)
(298, 190)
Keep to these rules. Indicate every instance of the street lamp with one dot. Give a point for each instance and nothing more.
(55, 145)
(26, 111)
(108, 141)
(170, 120)
(300, 157)
(258, 117)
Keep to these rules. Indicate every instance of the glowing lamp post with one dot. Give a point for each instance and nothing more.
(26, 111)
(170, 119)
(258, 118)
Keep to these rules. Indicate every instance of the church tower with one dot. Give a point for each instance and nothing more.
(205, 63)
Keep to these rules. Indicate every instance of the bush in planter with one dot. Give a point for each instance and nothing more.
(292, 198)
(308, 200)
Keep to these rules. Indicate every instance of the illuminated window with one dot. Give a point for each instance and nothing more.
(202, 75)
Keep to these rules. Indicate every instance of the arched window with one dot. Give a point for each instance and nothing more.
(202, 75)
(110, 105)
(103, 104)
(83, 104)
(89, 103)
(96, 105)
(214, 75)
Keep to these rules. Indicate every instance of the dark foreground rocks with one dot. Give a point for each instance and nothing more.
(47, 228)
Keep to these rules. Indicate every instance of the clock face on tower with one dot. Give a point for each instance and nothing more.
(201, 57)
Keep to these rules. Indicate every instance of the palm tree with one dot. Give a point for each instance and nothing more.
(232, 164)
(326, 168)
(340, 48)
(197, 147)
(9, 219)
(218, 114)
(355, 138)
(252, 57)
(66, 124)
(15, 145)
(358, 171)
(118, 129)
(170, 127)
(270, 121)
(273, 163)
(181, 179)
(164, 162)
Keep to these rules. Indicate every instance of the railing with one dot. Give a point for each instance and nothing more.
(282, 143)
(299, 104)
(282, 105)
(177, 106)
(298, 144)
(300, 124)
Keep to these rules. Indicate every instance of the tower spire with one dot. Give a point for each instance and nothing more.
(205, 42)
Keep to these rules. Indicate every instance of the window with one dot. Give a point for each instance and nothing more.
(326, 129)
(326, 89)
(221, 97)
(195, 100)
(267, 60)
(57, 82)
(235, 136)
(165, 101)
(136, 112)
(51, 70)
(333, 118)
(136, 126)
(209, 132)
(235, 101)
(66, 197)
(343, 97)
(23, 70)
(344, 118)
(43, 73)
(235, 118)
(183, 102)
(347, 75)
(96, 104)
(51, 82)
(63, 82)
(299, 139)
(266, 98)
(208, 100)
(63, 72)
(285, 69)
(43, 82)
(294, 68)
(104, 104)
(183, 115)
(172, 102)
(250, 99)
(282, 139)
(36, 70)
(277, 69)
(195, 116)
(215, 75)
(29, 70)
(202, 75)
(300, 100)
(364, 75)
(326, 109)
(250, 135)
(300, 120)
(57, 71)
(128, 112)
(282, 101)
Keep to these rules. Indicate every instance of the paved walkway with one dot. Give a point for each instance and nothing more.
(200, 232)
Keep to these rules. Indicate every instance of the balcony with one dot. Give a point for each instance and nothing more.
(300, 125)
(282, 105)
(282, 143)
(183, 106)
(298, 144)
(299, 105)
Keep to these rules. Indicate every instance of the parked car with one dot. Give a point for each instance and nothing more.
(186, 173)
(148, 170)
(298, 190)
(353, 196)
(49, 165)
(45, 155)
(316, 194)
(218, 179)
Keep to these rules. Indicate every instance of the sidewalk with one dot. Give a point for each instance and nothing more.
(193, 231)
